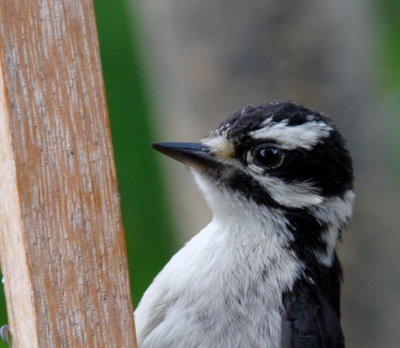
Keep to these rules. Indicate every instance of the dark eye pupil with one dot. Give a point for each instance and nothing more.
(268, 156)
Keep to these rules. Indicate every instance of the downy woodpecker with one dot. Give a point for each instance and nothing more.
(264, 273)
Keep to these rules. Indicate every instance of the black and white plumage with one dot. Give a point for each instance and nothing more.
(264, 272)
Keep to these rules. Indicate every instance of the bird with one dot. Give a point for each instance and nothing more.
(278, 178)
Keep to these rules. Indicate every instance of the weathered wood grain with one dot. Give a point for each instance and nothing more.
(62, 246)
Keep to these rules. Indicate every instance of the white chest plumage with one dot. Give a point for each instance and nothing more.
(223, 289)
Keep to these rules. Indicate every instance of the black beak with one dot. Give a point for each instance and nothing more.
(192, 154)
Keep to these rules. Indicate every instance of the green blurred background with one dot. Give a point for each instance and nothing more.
(147, 215)
(147, 221)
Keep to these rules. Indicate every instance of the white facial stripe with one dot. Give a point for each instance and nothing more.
(290, 137)
(296, 195)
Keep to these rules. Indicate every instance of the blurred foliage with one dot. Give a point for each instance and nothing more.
(147, 222)
(3, 315)
(389, 19)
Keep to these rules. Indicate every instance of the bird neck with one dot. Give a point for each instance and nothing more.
(303, 237)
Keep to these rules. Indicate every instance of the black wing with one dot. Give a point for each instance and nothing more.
(309, 321)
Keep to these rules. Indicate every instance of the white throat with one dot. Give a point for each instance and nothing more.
(258, 234)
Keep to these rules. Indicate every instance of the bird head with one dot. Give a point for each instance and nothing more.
(279, 158)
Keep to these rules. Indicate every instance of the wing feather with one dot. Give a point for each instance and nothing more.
(310, 321)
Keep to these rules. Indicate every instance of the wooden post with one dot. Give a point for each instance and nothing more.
(62, 246)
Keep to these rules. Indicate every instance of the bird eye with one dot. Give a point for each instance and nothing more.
(268, 156)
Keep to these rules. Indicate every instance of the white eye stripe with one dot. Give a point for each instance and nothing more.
(303, 136)
(295, 195)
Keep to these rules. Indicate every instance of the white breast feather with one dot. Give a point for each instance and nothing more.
(224, 288)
